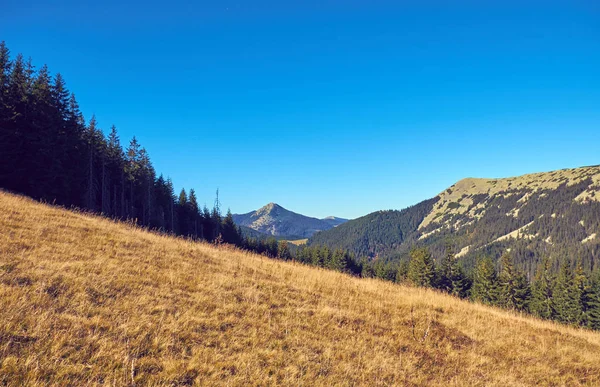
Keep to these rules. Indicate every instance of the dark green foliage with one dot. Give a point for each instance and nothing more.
(402, 272)
(366, 268)
(593, 315)
(48, 152)
(229, 231)
(485, 282)
(385, 270)
(421, 269)
(283, 250)
(541, 289)
(451, 277)
(566, 300)
(513, 288)
(376, 234)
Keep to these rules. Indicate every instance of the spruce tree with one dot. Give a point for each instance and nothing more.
(593, 313)
(284, 251)
(485, 283)
(229, 230)
(421, 269)
(566, 299)
(451, 277)
(195, 213)
(366, 268)
(541, 303)
(513, 287)
(402, 272)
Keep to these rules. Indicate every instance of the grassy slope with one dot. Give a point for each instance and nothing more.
(85, 300)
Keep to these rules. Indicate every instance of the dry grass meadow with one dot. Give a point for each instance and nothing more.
(85, 301)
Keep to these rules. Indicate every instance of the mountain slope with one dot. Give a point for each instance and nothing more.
(87, 301)
(555, 214)
(275, 220)
(377, 232)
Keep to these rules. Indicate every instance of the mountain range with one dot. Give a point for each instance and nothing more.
(274, 220)
(551, 214)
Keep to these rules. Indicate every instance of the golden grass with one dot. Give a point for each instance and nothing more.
(86, 301)
(299, 242)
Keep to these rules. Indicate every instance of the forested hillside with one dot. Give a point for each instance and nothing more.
(554, 215)
(378, 233)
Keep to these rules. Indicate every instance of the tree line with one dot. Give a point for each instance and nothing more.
(571, 296)
(49, 152)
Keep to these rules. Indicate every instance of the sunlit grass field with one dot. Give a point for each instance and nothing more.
(87, 301)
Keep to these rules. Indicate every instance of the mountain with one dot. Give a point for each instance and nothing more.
(552, 214)
(275, 220)
(334, 221)
(115, 303)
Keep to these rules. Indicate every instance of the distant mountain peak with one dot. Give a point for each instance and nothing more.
(272, 205)
(273, 219)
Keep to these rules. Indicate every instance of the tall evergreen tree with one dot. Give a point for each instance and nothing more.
(93, 140)
(513, 288)
(451, 277)
(485, 282)
(541, 303)
(194, 214)
(421, 269)
(284, 251)
(229, 230)
(566, 299)
(593, 316)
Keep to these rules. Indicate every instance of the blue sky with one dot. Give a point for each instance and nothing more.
(329, 107)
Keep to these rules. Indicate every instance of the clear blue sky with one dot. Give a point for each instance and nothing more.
(329, 107)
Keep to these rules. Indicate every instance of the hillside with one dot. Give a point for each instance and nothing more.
(275, 220)
(378, 232)
(555, 214)
(84, 300)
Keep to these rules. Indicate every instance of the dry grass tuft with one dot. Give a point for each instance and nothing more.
(85, 301)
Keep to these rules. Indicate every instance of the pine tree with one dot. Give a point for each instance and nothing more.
(147, 178)
(229, 231)
(271, 247)
(93, 137)
(182, 213)
(421, 269)
(59, 173)
(132, 173)
(216, 217)
(77, 152)
(402, 272)
(194, 213)
(115, 158)
(541, 303)
(593, 314)
(566, 299)
(5, 112)
(485, 284)
(366, 268)
(284, 251)
(14, 132)
(513, 288)
(451, 277)
(5, 65)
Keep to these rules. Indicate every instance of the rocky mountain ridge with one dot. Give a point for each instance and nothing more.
(551, 214)
(275, 220)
